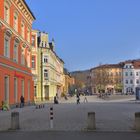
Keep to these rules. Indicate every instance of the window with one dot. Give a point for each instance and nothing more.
(131, 81)
(22, 88)
(126, 73)
(35, 92)
(137, 74)
(6, 88)
(6, 13)
(126, 66)
(137, 81)
(28, 90)
(33, 62)
(22, 30)
(15, 90)
(28, 35)
(131, 73)
(126, 81)
(33, 41)
(120, 73)
(45, 59)
(16, 21)
(22, 57)
(45, 74)
(15, 57)
(28, 59)
(7, 47)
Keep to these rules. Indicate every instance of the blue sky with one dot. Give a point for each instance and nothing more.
(89, 32)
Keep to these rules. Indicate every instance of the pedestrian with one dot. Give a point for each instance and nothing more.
(21, 101)
(85, 99)
(78, 99)
(55, 100)
(57, 96)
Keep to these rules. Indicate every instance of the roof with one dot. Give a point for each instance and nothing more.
(29, 9)
(108, 66)
(135, 63)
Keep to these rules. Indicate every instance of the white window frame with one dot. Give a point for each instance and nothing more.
(126, 81)
(15, 89)
(6, 87)
(46, 74)
(22, 29)
(22, 56)
(16, 45)
(28, 35)
(137, 81)
(29, 91)
(7, 13)
(7, 47)
(33, 62)
(7, 37)
(131, 81)
(45, 59)
(33, 41)
(22, 87)
(15, 21)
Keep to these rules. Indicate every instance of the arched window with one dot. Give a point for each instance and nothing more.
(15, 24)
(16, 45)
(7, 38)
(23, 56)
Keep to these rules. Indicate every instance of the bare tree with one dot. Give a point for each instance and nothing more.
(100, 78)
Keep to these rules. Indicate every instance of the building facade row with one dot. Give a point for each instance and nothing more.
(29, 65)
(112, 78)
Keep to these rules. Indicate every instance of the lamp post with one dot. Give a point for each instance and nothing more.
(41, 75)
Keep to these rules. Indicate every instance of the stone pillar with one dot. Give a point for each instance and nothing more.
(137, 121)
(91, 125)
(14, 120)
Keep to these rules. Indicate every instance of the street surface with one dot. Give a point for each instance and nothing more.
(115, 115)
(68, 136)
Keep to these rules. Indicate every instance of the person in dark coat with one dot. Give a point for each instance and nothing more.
(21, 101)
(55, 100)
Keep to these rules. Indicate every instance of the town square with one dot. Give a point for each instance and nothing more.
(69, 69)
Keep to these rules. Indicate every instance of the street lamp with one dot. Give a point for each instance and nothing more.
(41, 75)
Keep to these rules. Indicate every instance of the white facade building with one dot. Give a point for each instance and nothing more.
(131, 77)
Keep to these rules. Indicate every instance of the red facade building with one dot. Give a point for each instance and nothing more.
(15, 52)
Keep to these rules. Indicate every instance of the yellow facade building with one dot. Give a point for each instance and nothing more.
(69, 81)
(34, 62)
(48, 76)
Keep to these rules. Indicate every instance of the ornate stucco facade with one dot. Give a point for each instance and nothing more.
(15, 56)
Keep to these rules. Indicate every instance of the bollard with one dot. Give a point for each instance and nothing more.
(15, 120)
(51, 117)
(91, 125)
(137, 121)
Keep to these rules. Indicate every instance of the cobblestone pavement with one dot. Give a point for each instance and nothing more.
(60, 135)
(68, 116)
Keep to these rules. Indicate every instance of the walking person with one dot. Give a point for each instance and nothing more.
(21, 101)
(78, 99)
(85, 99)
